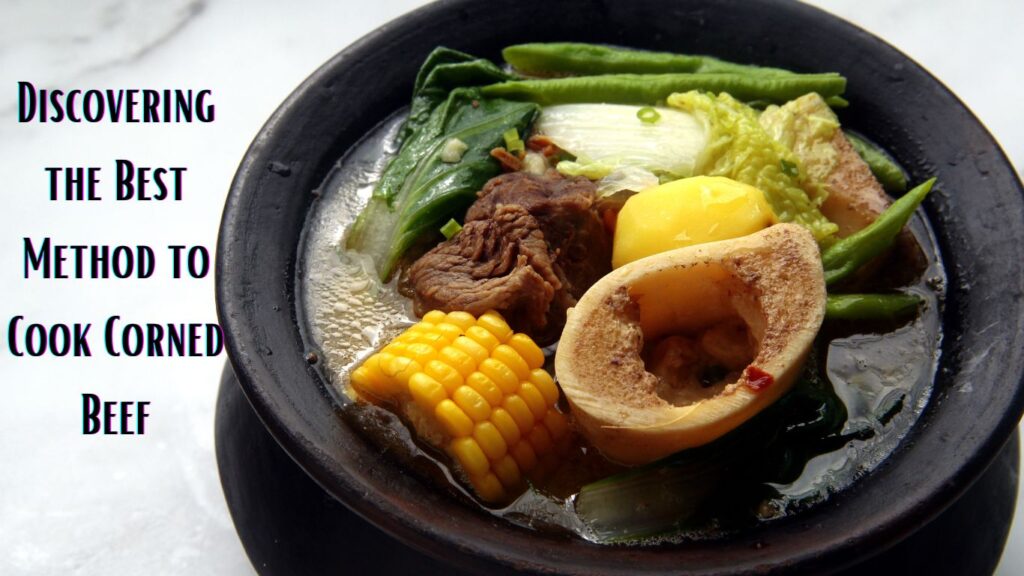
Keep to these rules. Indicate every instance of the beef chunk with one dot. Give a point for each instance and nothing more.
(501, 263)
(564, 209)
(531, 245)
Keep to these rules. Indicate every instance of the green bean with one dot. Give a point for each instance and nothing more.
(889, 174)
(847, 255)
(652, 88)
(577, 58)
(574, 58)
(870, 306)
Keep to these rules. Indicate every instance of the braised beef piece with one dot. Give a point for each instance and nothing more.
(564, 207)
(530, 246)
(501, 263)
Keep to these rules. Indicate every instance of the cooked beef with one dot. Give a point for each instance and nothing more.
(531, 245)
(501, 263)
(564, 207)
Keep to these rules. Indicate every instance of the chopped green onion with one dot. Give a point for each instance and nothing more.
(451, 228)
(789, 169)
(648, 115)
(512, 141)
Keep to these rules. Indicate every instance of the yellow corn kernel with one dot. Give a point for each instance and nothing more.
(426, 391)
(449, 331)
(486, 390)
(399, 368)
(420, 352)
(508, 356)
(483, 337)
(534, 399)
(530, 352)
(495, 324)
(524, 456)
(421, 326)
(470, 456)
(520, 412)
(501, 374)
(407, 337)
(410, 333)
(507, 471)
(488, 488)
(477, 352)
(448, 377)
(395, 348)
(540, 439)
(364, 380)
(461, 319)
(505, 424)
(543, 381)
(457, 359)
(472, 403)
(453, 419)
(486, 387)
(435, 317)
(433, 339)
(490, 440)
(556, 424)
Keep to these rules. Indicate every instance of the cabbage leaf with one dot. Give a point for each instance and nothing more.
(740, 148)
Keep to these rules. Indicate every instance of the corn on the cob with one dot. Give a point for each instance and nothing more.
(483, 386)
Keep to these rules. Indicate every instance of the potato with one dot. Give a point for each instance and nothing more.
(687, 212)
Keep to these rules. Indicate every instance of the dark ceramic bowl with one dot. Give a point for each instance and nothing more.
(978, 215)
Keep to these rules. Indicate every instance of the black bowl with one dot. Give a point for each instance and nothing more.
(977, 212)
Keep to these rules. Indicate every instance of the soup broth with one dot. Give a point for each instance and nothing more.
(864, 387)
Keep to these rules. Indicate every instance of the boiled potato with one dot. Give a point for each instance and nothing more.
(687, 212)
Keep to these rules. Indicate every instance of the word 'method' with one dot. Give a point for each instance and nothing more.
(50, 260)
(132, 105)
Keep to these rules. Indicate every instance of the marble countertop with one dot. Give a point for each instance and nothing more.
(73, 504)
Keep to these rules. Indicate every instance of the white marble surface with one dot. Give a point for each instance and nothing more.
(74, 504)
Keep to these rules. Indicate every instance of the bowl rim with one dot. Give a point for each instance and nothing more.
(239, 307)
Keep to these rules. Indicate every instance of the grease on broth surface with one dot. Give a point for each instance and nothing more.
(880, 375)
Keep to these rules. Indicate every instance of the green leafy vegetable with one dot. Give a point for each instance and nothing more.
(419, 190)
(847, 255)
(870, 306)
(653, 88)
(806, 126)
(444, 70)
(740, 148)
(882, 166)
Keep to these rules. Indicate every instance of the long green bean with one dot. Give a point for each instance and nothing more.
(547, 58)
(870, 306)
(847, 255)
(652, 88)
(585, 59)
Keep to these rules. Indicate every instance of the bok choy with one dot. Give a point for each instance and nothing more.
(419, 190)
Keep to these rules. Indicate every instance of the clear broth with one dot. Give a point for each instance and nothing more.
(881, 376)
